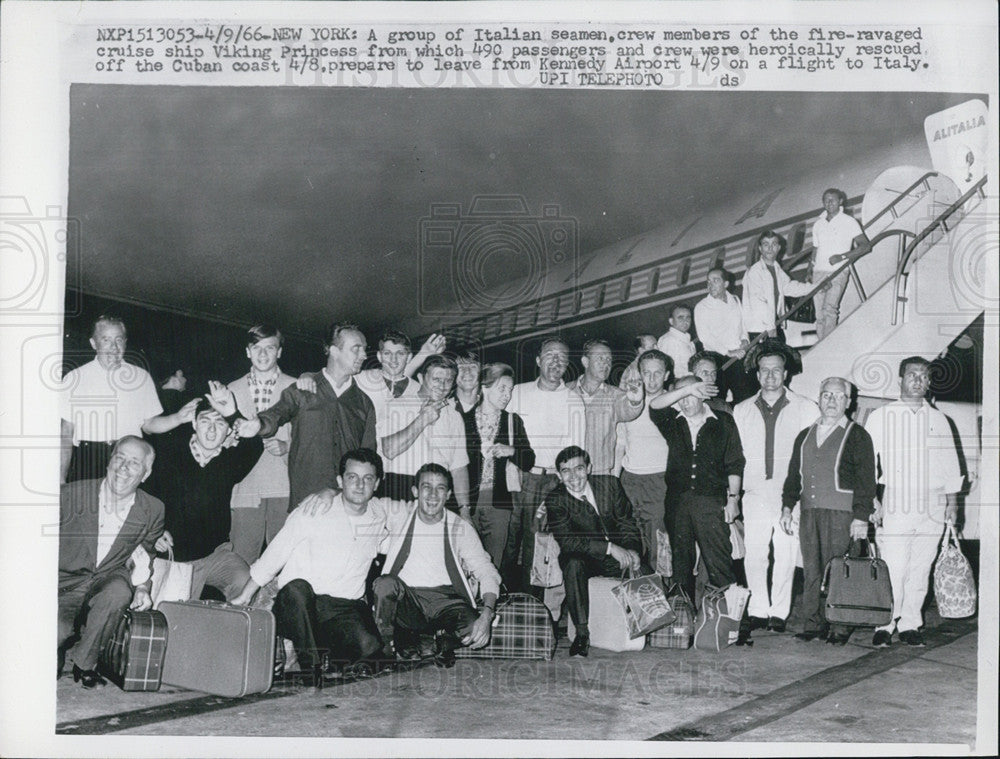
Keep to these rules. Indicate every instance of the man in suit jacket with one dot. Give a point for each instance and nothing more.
(592, 521)
(102, 524)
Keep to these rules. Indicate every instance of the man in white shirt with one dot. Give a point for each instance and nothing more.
(919, 466)
(424, 587)
(834, 233)
(718, 320)
(644, 461)
(321, 558)
(426, 429)
(768, 424)
(554, 418)
(103, 401)
(765, 286)
(676, 341)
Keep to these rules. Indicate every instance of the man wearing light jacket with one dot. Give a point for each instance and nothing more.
(765, 285)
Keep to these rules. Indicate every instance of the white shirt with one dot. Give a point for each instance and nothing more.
(442, 442)
(332, 552)
(372, 384)
(110, 519)
(719, 323)
(758, 295)
(340, 389)
(645, 447)
(823, 431)
(425, 567)
(104, 405)
(916, 454)
(679, 347)
(833, 237)
(695, 423)
(553, 419)
(792, 419)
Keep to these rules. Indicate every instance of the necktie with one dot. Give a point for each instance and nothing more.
(777, 293)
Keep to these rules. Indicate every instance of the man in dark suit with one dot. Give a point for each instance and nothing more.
(591, 519)
(101, 572)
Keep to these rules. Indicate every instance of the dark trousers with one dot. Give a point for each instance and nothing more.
(699, 519)
(823, 534)
(577, 569)
(318, 623)
(420, 610)
(736, 379)
(89, 461)
(521, 536)
(92, 607)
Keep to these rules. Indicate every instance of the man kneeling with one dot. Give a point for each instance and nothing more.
(424, 588)
(321, 558)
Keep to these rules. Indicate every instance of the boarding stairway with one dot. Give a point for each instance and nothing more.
(916, 288)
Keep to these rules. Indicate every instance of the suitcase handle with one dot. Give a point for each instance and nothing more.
(870, 548)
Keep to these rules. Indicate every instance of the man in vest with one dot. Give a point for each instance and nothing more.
(423, 587)
(831, 476)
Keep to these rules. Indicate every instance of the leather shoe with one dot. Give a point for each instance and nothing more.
(882, 639)
(839, 639)
(444, 654)
(776, 624)
(580, 646)
(88, 677)
(743, 639)
(912, 638)
(758, 623)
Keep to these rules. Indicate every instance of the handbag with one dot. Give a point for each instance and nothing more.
(171, 580)
(545, 569)
(644, 602)
(954, 585)
(718, 623)
(511, 471)
(858, 590)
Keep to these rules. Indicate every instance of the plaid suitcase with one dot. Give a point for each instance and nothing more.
(132, 658)
(522, 630)
(679, 633)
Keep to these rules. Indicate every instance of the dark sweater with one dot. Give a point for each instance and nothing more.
(523, 458)
(704, 470)
(196, 499)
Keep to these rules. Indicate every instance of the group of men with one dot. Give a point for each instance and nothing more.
(343, 465)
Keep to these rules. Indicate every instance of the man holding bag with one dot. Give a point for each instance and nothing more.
(832, 476)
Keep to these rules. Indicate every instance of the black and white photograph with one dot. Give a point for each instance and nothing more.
(603, 381)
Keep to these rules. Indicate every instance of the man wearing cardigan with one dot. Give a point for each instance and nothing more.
(424, 587)
(831, 476)
(102, 524)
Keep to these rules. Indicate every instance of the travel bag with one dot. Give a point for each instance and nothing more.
(677, 634)
(858, 590)
(219, 648)
(644, 603)
(608, 627)
(954, 584)
(718, 623)
(522, 629)
(133, 656)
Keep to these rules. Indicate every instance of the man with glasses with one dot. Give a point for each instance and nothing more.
(919, 465)
(831, 475)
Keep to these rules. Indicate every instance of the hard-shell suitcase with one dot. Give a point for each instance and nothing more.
(132, 658)
(522, 629)
(219, 648)
(608, 626)
(858, 590)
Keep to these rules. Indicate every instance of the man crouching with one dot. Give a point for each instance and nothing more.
(424, 588)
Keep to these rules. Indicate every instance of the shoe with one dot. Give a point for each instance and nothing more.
(360, 670)
(882, 639)
(838, 639)
(808, 635)
(912, 638)
(88, 677)
(776, 624)
(580, 646)
(743, 639)
(444, 655)
(758, 623)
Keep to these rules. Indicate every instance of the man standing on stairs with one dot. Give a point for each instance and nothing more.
(834, 233)
(765, 285)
